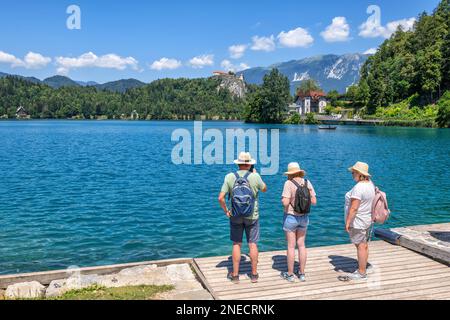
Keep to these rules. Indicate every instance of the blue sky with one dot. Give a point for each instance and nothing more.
(148, 40)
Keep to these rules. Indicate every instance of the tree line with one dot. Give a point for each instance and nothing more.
(166, 99)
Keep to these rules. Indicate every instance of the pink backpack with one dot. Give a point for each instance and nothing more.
(380, 209)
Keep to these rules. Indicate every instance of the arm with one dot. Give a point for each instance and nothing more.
(286, 202)
(313, 200)
(354, 206)
(262, 185)
(223, 204)
(264, 188)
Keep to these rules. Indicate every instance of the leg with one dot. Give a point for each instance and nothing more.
(363, 256)
(236, 258)
(252, 233)
(302, 251)
(254, 257)
(236, 235)
(290, 238)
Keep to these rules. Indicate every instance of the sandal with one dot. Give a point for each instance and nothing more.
(233, 279)
(254, 277)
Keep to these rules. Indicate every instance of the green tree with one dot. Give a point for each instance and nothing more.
(268, 104)
(307, 86)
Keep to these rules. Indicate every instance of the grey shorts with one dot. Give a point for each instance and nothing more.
(237, 227)
(358, 236)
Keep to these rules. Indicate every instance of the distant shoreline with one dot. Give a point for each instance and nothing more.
(362, 123)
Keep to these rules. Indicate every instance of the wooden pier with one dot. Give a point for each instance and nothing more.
(397, 273)
(411, 263)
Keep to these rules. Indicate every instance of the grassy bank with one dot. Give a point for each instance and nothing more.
(102, 293)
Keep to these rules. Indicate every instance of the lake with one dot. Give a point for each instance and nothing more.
(89, 193)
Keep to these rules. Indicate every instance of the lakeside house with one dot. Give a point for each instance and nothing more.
(311, 101)
(21, 113)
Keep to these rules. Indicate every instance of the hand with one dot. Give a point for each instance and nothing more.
(228, 213)
(347, 227)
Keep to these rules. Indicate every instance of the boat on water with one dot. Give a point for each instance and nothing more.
(329, 127)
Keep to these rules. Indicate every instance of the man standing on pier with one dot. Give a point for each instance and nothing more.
(243, 188)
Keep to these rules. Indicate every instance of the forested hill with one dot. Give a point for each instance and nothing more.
(412, 63)
(162, 99)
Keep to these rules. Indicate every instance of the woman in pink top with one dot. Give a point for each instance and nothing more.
(295, 224)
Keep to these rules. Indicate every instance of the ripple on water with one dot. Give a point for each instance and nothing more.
(88, 193)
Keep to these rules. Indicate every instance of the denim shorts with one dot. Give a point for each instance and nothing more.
(237, 227)
(293, 223)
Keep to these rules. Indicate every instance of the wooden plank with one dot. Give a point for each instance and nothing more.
(325, 266)
(312, 279)
(387, 291)
(203, 280)
(46, 277)
(339, 261)
(312, 256)
(316, 283)
(413, 293)
(329, 285)
(316, 250)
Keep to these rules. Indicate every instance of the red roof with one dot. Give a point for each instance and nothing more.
(313, 94)
(220, 72)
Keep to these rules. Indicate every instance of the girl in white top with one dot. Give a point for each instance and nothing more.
(358, 215)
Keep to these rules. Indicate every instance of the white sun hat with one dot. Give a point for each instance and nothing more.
(245, 158)
(294, 168)
(362, 168)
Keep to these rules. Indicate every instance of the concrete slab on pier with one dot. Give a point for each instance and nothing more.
(398, 273)
(432, 240)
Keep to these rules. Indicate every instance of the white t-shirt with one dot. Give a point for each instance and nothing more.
(365, 192)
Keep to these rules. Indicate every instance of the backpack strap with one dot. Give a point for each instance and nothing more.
(247, 175)
(297, 185)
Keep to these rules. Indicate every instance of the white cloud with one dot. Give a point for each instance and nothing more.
(31, 60)
(165, 63)
(237, 51)
(338, 30)
(295, 38)
(228, 66)
(202, 61)
(90, 60)
(406, 24)
(371, 51)
(263, 43)
(373, 28)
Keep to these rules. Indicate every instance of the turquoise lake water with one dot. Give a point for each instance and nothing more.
(93, 193)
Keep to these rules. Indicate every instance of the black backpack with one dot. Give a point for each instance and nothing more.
(302, 204)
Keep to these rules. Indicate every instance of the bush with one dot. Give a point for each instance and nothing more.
(310, 119)
(443, 117)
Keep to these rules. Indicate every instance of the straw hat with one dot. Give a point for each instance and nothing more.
(294, 168)
(245, 158)
(362, 168)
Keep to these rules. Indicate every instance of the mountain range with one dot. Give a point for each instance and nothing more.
(332, 72)
(61, 81)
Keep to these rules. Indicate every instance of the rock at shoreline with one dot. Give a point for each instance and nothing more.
(25, 290)
(136, 276)
(178, 275)
(180, 272)
(59, 287)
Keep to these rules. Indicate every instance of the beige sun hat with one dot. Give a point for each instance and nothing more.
(294, 168)
(362, 168)
(245, 158)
